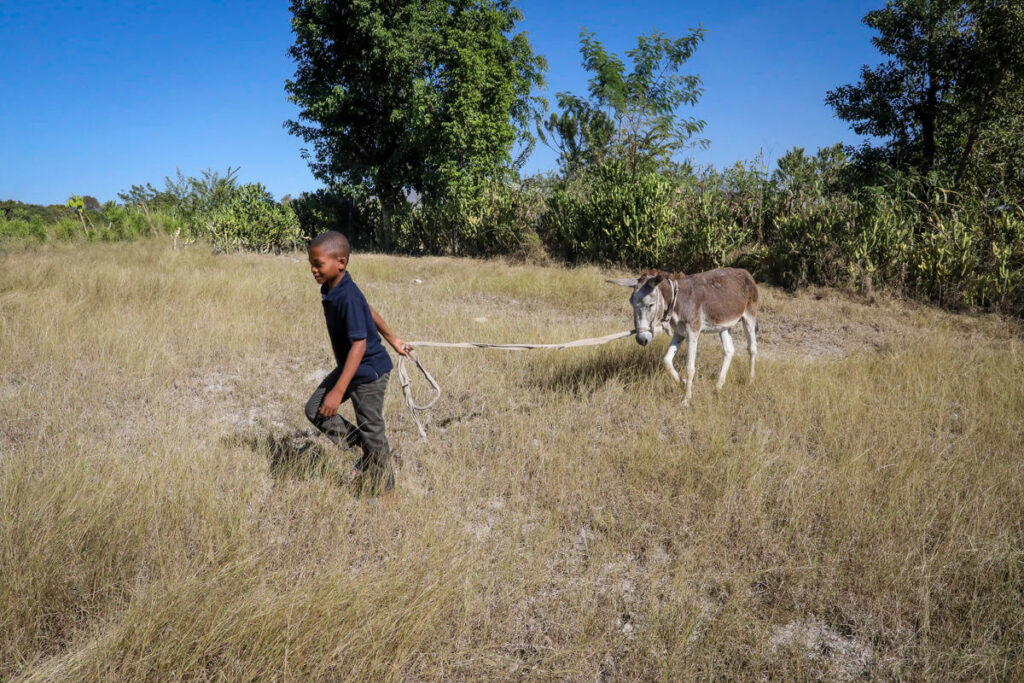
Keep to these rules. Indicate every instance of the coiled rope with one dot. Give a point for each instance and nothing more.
(405, 380)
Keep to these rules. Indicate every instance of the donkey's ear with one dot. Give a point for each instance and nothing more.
(657, 279)
(624, 282)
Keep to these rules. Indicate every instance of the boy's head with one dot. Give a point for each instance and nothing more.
(328, 257)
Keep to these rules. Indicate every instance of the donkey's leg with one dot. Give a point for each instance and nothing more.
(673, 346)
(729, 351)
(750, 327)
(691, 362)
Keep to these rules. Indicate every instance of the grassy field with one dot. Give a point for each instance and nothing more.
(167, 513)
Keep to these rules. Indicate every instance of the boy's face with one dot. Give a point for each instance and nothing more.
(327, 266)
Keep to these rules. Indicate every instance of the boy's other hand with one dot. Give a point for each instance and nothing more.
(330, 405)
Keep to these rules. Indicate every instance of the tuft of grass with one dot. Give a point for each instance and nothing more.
(166, 512)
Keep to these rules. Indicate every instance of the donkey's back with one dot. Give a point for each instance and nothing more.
(715, 300)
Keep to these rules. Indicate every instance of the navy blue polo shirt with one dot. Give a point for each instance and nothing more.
(349, 319)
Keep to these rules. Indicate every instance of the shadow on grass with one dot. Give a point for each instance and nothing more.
(297, 454)
(624, 361)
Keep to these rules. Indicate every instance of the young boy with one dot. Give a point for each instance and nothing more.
(363, 366)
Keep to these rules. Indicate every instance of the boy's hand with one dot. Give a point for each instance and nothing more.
(330, 405)
(401, 348)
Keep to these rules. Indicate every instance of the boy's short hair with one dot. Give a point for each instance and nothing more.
(333, 241)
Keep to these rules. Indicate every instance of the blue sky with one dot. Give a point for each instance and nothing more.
(96, 96)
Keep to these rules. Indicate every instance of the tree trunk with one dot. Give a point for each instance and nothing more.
(928, 112)
(981, 111)
(387, 234)
(928, 124)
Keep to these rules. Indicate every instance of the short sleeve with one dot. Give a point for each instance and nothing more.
(355, 319)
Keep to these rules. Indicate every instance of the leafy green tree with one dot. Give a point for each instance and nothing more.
(950, 67)
(398, 96)
(991, 102)
(632, 116)
(582, 134)
(77, 206)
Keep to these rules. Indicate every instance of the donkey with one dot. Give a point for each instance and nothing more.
(707, 302)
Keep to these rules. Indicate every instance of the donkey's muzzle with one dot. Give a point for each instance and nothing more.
(644, 338)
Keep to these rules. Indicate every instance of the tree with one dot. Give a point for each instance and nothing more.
(992, 99)
(397, 95)
(77, 206)
(582, 134)
(632, 116)
(951, 65)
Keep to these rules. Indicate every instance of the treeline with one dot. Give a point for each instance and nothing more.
(412, 119)
(214, 208)
(810, 220)
(932, 208)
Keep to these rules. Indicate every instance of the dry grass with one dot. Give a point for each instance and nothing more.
(166, 513)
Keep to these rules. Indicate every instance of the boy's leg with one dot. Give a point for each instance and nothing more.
(368, 400)
(338, 429)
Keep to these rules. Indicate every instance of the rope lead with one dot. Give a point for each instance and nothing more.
(403, 378)
(403, 371)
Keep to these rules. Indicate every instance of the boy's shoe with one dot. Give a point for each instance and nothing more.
(374, 483)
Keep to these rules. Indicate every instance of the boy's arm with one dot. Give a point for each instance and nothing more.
(400, 347)
(333, 398)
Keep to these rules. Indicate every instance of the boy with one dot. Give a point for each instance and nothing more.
(363, 366)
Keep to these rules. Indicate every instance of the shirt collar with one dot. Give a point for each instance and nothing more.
(326, 293)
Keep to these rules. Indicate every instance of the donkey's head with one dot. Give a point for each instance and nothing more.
(647, 302)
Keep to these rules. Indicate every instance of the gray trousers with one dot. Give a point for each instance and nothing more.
(377, 473)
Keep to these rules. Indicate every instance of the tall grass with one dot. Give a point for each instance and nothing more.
(166, 513)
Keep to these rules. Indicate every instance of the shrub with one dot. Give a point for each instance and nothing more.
(16, 229)
(811, 244)
(709, 233)
(252, 220)
(612, 217)
(488, 218)
(355, 215)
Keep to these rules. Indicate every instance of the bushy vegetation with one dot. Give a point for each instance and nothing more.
(932, 208)
(213, 208)
(217, 208)
(250, 220)
(28, 224)
(904, 217)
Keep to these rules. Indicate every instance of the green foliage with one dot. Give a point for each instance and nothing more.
(77, 206)
(410, 96)
(710, 232)
(953, 77)
(20, 230)
(252, 221)
(972, 254)
(480, 218)
(582, 134)
(343, 209)
(811, 244)
(191, 199)
(634, 116)
(15, 210)
(610, 216)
